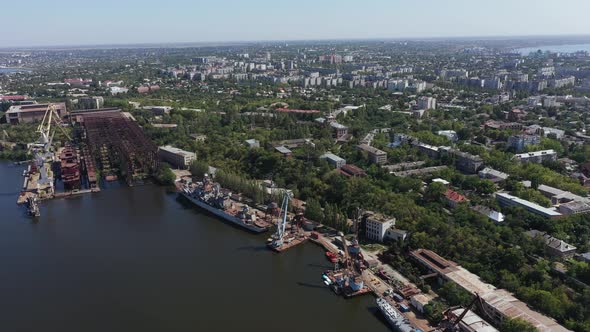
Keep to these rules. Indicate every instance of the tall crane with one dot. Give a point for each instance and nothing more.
(45, 129)
(282, 222)
(345, 250)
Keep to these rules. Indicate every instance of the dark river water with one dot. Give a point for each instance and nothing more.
(136, 259)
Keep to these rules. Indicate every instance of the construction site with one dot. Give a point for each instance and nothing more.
(101, 145)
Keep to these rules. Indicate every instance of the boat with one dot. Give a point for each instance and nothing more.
(33, 207)
(207, 195)
(331, 256)
(394, 317)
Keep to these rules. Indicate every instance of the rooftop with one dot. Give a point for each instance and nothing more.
(531, 205)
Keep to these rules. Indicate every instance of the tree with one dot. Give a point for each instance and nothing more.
(165, 176)
(517, 325)
(199, 169)
(434, 191)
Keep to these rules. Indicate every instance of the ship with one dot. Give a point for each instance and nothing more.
(396, 320)
(208, 196)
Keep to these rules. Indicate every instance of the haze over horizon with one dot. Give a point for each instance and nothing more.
(71, 22)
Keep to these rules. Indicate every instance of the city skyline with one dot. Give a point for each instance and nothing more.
(180, 21)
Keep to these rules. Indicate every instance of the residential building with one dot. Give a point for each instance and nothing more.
(333, 160)
(426, 103)
(32, 113)
(466, 162)
(506, 199)
(453, 198)
(554, 247)
(376, 226)
(176, 157)
(493, 175)
(537, 156)
(340, 131)
(450, 134)
(376, 156)
(519, 142)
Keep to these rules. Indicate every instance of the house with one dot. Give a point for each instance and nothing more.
(252, 143)
(284, 151)
(554, 247)
(493, 175)
(352, 170)
(199, 137)
(453, 198)
(493, 215)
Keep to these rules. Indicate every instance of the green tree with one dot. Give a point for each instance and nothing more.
(517, 325)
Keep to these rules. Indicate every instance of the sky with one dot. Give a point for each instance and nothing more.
(82, 22)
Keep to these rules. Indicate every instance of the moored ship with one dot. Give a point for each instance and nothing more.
(396, 320)
(207, 195)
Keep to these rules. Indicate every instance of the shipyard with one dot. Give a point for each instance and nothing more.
(220, 166)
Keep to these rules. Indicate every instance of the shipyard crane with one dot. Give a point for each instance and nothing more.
(345, 250)
(282, 222)
(453, 323)
(45, 129)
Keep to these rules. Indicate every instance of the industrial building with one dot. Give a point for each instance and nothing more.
(32, 113)
(176, 157)
(377, 225)
(498, 304)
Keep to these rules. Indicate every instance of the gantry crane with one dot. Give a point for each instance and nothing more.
(45, 129)
(282, 222)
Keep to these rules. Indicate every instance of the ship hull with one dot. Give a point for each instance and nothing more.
(223, 215)
(399, 323)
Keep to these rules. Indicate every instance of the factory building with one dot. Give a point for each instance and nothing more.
(32, 113)
(176, 157)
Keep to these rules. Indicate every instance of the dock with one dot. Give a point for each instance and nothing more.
(290, 244)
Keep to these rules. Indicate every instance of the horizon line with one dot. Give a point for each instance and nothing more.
(181, 44)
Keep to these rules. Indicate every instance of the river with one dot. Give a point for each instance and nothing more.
(136, 259)
(567, 48)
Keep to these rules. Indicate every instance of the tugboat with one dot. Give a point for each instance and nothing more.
(33, 207)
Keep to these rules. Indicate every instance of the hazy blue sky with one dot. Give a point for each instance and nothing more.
(69, 22)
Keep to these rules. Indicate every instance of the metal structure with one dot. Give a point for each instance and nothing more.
(119, 144)
(282, 222)
(45, 127)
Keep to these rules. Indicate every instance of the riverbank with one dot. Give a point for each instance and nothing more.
(128, 259)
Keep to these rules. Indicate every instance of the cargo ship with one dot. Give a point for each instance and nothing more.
(395, 318)
(208, 196)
